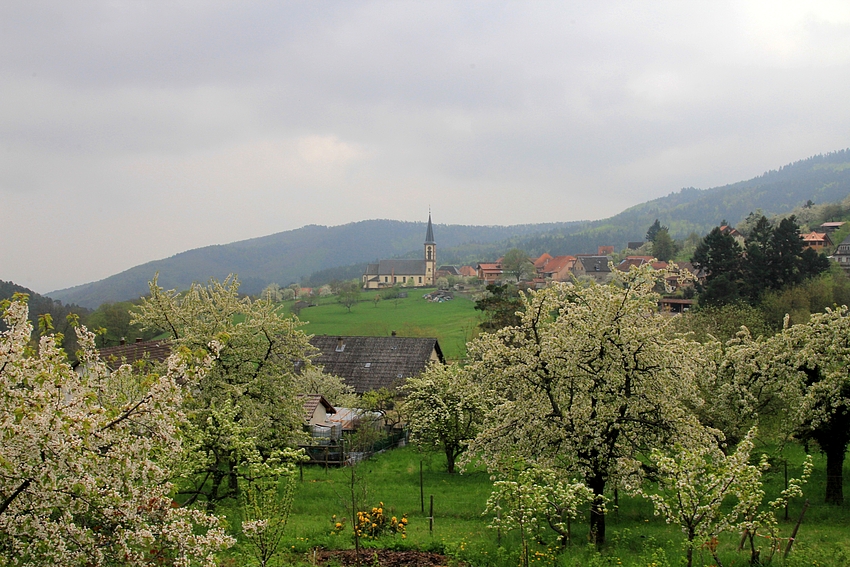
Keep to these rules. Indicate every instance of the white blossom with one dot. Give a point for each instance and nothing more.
(85, 459)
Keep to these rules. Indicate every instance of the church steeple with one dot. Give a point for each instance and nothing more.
(429, 234)
(430, 254)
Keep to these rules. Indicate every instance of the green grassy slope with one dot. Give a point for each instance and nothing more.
(453, 323)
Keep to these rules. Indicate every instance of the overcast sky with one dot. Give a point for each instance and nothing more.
(131, 131)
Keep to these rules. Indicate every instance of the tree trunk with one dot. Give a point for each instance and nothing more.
(597, 511)
(450, 459)
(835, 473)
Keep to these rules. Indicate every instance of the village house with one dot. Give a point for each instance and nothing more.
(318, 414)
(136, 352)
(446, 271)
(830, 227)
(733, 232)
(596, 267)
(818, 241)
(411, 273)
(371, 363)
(558, 268)
(490, 272)
(842, 255)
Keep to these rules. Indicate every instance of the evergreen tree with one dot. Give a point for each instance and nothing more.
(719, 255)
(652, 233)
(664, 247)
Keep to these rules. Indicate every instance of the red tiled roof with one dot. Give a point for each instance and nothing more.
(542, 260)
(814, 237)
(558, 263)
(312, 401)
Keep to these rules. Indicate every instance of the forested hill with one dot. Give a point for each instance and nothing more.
(40, 305)
(287, 257)
(342, 250)
(820, 179)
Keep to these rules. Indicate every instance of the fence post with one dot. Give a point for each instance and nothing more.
(431, 517)
(421, 488)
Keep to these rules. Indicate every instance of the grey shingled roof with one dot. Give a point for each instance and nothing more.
(370, 363)
(397, 267)
(429, 233)
(595, 263)
(154, 351)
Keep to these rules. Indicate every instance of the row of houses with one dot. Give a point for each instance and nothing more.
(566, 268)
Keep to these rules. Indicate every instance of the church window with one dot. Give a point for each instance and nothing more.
(420, 279)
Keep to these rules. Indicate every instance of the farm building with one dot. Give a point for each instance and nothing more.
(371, 363)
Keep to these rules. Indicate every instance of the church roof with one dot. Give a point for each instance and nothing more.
(397, 267)
(429, 234)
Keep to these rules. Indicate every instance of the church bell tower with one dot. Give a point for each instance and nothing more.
(430, 255)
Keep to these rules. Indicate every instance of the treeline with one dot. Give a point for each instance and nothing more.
(771, 259)
(110, 321)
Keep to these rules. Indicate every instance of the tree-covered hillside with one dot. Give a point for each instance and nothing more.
(340, 251)
(287, 257)
(40, 306)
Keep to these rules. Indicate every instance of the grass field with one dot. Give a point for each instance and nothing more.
(453, 323)
(635, 536)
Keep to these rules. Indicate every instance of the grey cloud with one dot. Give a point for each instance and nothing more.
(201, 122)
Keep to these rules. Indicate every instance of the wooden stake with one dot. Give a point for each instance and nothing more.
(797, 527)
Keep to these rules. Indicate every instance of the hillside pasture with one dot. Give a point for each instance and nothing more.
(453, 322)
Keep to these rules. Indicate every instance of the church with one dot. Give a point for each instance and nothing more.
(408, 273)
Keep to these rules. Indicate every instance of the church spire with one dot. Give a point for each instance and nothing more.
(429, 234)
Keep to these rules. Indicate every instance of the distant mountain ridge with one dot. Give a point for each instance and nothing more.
(287, 257)
(294, 255)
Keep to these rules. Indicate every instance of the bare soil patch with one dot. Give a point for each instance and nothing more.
(385, 558)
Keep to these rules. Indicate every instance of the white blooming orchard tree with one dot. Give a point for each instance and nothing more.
(813, 359)
(534, 498)
(589, 377)
(245, 406)
(746, 389)
(266, 496)
(697, 487)
(85, 458)
(444, 409)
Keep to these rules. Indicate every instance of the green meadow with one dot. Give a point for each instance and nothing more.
(636, 537)
(453, 322)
